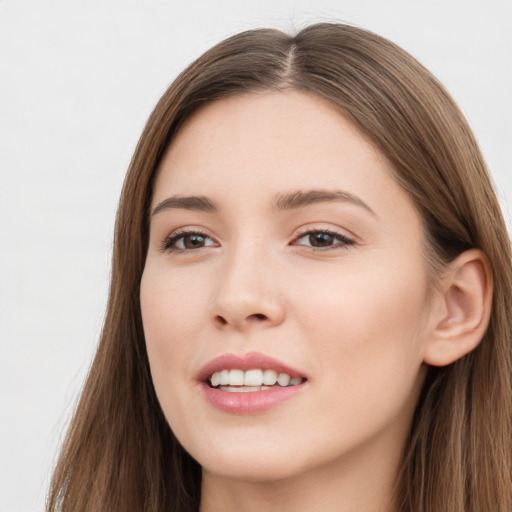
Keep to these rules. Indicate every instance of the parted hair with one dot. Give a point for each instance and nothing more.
(120, 454)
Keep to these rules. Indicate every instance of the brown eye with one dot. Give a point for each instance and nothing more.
(320, 239)
(323, 240)
(194, 241)
(187, 242)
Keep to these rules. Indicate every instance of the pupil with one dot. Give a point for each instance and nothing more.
(321, 239)
(193, 241)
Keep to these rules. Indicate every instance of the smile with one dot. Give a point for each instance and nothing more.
(240, 381)
(249, 384)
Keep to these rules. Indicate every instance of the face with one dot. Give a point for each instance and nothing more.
(280, 243)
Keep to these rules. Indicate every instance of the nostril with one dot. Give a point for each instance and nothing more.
(221, 320)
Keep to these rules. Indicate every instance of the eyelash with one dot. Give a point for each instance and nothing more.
(342, 241)
(169, 244)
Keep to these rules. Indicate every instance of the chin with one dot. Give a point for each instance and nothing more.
(249, 462)
(255, 470)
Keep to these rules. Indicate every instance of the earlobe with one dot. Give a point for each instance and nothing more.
(464, 301)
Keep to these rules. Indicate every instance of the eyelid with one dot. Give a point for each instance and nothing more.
(344, 240)
(180, 233)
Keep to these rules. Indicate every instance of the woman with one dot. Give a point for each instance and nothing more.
(310, 299)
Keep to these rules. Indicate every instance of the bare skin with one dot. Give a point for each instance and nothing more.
(297, 243)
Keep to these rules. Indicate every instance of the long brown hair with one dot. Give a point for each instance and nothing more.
(120, 453)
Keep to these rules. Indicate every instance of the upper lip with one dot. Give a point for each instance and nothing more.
(249, 361)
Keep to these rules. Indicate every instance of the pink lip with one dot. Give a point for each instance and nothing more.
(249, 402)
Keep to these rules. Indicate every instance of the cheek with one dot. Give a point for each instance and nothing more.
(173, 315)
(367, 330)
(168, 317)
(172, 308)
(365, 349)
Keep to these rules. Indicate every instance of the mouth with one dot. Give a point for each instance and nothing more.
(249, 384)
(256, 379)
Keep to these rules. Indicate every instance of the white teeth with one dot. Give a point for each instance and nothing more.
(269, 377)
(242, 389)
(215, 380)
(236, 377)
(283, 379)
(224, 378)
(252, 380)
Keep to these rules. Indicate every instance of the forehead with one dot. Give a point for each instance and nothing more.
(269, 137)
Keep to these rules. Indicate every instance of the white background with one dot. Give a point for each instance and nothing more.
(77, 82)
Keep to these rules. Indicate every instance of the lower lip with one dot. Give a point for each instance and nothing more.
(250, 402)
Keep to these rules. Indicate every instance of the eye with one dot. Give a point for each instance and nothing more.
(323, 239)
(186, 241)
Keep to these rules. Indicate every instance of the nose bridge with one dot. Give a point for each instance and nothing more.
(247, 291)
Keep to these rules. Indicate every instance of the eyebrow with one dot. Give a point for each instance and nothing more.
(194, 203)
(288, 201)
(302, 198)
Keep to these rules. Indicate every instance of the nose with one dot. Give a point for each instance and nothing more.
(248, 293)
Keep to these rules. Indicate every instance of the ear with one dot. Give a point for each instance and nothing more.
(462, 309)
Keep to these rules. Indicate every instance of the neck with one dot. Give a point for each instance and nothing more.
(344, 486)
